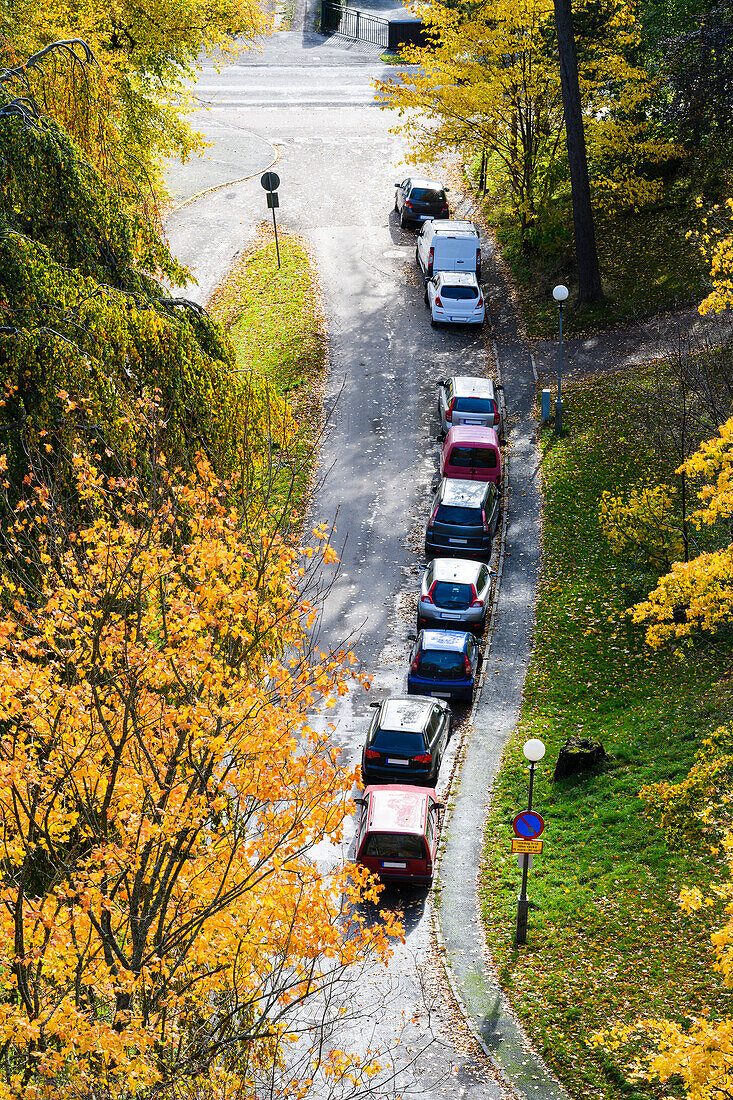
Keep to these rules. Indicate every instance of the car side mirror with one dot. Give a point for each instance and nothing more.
(412, 637)
(498, 386)
(360, 801)
(398, 185)
(441, 382)
(375, 704)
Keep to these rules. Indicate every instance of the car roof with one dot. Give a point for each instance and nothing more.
(457, 278)
(423, 181)
(445, 639)
(397, 808)
(457, 490)
(407, 713)
(466, 386)
(456, 569)
(472, 433)
(448, 225)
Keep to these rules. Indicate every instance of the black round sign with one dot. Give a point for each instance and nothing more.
(270, 181)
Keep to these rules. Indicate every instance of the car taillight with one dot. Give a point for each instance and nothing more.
(426, 599)
(449, 410)
(423, 758)
(431, 256)
(415, 664)
(444, 209)
(484, 520)
(477, 603)
(480, 301)
(438, 301)
(496, 412)
(372, 754)
(478, 262)
(429, 866)
(466, 665)
(431, 521)
(408, 203)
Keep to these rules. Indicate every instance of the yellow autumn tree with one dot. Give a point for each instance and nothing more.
(716, 243)
(697, 1052)
(489, 81)
(164, 924)
(143, 54)
(698, 594)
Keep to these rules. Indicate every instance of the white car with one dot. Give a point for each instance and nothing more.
(455, 296)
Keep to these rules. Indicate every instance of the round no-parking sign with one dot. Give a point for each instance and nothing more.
(528, 824)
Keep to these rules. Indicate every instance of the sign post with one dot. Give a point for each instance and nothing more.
(527, 827)
(271, 181)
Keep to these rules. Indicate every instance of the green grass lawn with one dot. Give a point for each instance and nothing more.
(275, 319)
(607, 941)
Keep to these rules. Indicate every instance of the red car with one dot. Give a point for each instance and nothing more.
(397, 833)
(472, 454)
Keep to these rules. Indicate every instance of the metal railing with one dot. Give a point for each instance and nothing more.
(352, 23)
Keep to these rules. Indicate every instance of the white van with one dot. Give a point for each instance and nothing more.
(448, 246)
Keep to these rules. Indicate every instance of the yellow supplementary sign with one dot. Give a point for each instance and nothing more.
(531, 847)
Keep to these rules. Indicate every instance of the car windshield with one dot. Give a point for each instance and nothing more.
(459, 516)
(394, 846)
(423, 194)
(450, 594)
(444, 664)
(473, 404)
(459, 293)
(399, 742)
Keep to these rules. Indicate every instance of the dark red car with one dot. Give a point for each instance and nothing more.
(471, 453)
(397, 832)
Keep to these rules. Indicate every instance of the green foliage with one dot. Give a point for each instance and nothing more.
(82, 312)
(607, 939)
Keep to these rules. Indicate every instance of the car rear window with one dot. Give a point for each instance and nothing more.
(473, 458)
(459, 293)
(394, 846)
(422, 194)
(484, 458)
(459, 516)
(474, 405)
(443, 663)
(450, 594)
(397, 741)
(461, 456)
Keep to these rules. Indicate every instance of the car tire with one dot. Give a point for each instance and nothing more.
(396, 207)
(427, 299)
(433, 322)
(480, 628)
(403, 221)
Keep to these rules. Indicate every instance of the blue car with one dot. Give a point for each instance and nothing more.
(444, 663)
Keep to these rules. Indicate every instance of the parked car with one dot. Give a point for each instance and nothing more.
(406, 740)
(448, 246)
(444, 664)
(419, 198)
(466, 400)
(463, 519)
(397, 832)
(472, 453)
(455, 297)
(455, 593)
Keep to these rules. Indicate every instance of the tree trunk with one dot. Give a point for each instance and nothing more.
(589, 276)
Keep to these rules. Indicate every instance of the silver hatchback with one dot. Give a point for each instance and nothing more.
(467, 400)
(456, 594)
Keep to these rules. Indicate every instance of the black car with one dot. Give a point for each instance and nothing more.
(406, 740)
(463, 519)
(416, 200)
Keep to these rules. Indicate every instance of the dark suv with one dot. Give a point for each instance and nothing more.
(417, 200)
(406, 740)
(463, 519)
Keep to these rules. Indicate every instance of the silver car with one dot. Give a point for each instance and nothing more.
(467, 400)
(457, 592)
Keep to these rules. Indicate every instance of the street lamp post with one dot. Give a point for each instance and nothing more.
(533, 750)
(560, 294)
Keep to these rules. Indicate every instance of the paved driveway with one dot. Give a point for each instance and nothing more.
(310, 102)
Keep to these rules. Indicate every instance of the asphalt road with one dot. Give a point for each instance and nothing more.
(310, 100)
